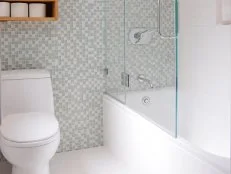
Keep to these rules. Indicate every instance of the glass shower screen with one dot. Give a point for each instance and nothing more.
(141, 37)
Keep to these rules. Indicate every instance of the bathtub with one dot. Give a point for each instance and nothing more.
(157, 106)
(138, 134)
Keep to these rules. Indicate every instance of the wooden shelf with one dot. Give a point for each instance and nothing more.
(27, 19)
(28, 1)
(52, 11)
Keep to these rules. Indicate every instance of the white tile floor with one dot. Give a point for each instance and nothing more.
(88, 161)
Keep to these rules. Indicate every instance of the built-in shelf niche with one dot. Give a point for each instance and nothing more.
(51, 11)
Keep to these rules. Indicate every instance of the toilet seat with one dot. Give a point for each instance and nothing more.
(29, 129)
(30, 144)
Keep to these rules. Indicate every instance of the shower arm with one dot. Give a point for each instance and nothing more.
(159, 23)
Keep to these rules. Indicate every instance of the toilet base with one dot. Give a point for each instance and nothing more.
(37, 170)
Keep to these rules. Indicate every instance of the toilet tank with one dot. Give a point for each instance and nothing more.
(25, 91)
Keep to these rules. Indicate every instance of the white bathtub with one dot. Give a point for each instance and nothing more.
(132, 135)
(161, 109)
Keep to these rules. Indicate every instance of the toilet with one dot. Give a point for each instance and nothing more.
(29, 130)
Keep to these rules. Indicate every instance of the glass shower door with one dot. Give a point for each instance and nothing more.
(150, 60)
(115, 49)
(141, 57)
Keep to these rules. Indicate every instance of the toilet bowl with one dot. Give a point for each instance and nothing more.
(29, 130)
(30, 160)
(29, 151)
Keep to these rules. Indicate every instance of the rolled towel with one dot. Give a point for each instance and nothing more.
(37, 10)
(19, 10)
(4, 9)
(226, 10)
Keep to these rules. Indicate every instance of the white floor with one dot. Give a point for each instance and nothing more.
(89, 161)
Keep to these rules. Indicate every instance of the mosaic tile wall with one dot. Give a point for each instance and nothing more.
(72, 49)
(77, 48)
(155, 60)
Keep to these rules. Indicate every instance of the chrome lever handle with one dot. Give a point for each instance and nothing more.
(138, 35)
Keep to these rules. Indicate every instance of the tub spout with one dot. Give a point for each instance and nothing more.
(141, 78)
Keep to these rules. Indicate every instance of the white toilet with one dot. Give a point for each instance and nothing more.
(29, 130)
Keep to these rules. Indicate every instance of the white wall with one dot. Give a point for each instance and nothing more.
(204, 77)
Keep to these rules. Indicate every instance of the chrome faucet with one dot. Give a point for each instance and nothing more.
(141, 78)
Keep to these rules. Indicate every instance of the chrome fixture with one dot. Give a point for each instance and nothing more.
(125, 79)
(141, 78)
(141, 36)
(146, 100)
(105, 71)
(138, 35)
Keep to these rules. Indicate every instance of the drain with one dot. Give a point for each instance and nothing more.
(146, 100)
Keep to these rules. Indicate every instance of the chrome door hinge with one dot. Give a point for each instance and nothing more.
(105, 71)
(125, 79)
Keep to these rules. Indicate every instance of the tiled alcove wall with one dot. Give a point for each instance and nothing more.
(72, 49)
(157, 60)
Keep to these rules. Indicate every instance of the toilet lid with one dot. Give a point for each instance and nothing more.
(29, 127)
